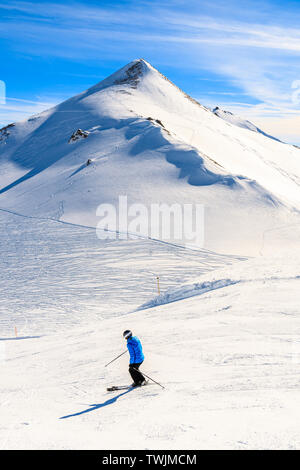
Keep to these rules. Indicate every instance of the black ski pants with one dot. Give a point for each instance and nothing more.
(136, 375)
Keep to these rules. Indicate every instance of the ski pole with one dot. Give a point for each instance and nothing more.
(115, 358)
(149, 377)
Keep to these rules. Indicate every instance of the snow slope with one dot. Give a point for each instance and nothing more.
(150, 141)
(228, 358)
(55, 276)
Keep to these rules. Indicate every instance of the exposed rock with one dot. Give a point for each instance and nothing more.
(79, 134)
(132, 75)
(4, 132)
(155, 120)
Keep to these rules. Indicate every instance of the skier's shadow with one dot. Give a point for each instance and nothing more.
(98, 405)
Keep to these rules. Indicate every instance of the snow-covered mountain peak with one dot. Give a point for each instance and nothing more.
(140, 79)
(130, 75)
(137, 134)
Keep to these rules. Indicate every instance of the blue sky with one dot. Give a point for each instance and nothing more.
(241, 55)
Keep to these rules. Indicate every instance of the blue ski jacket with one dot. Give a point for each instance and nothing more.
(135, 350)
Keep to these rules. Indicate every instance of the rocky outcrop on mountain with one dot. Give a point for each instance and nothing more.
(5, 132)
(79, 134)
(132, 75)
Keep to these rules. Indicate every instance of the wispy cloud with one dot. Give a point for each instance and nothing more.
(99, 22)
(16, 109)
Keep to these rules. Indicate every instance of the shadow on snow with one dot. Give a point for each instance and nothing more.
(98, 405)
(18, 338)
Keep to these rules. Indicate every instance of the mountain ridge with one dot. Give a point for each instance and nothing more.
(237, 121)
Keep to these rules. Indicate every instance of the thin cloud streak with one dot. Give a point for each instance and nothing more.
(188, 29)
(38, 103)
(17, 109)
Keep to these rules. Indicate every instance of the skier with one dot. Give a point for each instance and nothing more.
(136, 358)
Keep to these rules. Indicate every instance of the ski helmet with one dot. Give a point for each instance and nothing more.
(127, 334)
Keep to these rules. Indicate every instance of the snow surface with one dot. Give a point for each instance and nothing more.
(227, 357)
(223, 336)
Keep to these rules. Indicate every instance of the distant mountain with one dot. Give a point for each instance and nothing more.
(237, 121)
(137, 134)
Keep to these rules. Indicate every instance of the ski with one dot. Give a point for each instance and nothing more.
(118, 387)
(124, 387)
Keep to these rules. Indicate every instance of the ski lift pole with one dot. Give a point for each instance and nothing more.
(115, 358)
(149, 378)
